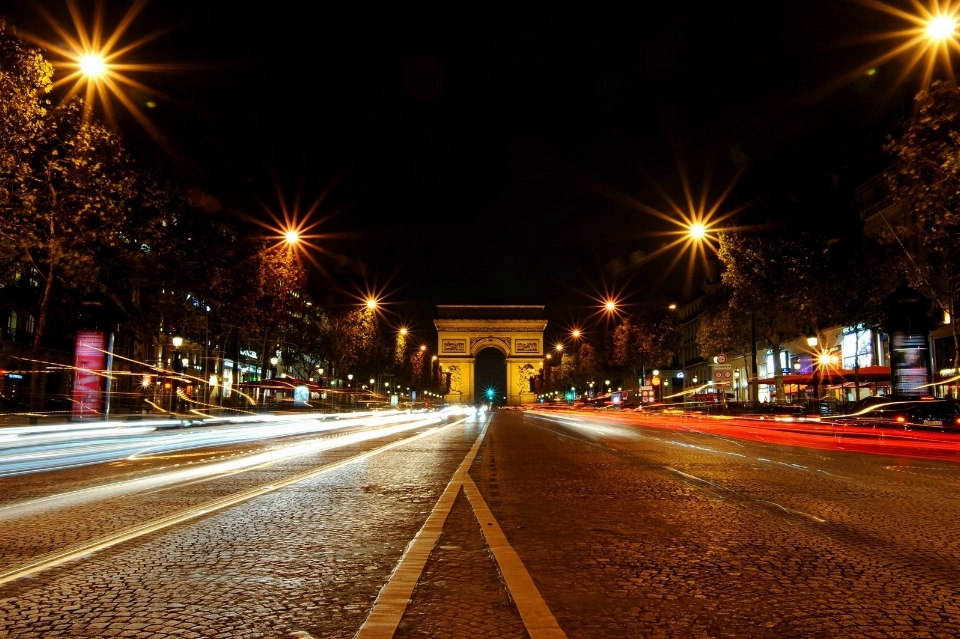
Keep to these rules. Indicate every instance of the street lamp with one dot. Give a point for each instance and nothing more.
(291, 237)
(941, 27)
(92, 65)
(177, 364)
(610, 306)
(371, 303)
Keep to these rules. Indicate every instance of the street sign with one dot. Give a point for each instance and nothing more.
(723, 374)
(721, 358)
(646, 394)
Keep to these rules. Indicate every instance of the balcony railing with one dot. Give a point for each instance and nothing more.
(876, 207)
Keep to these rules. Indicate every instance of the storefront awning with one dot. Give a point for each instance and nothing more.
(837, 376)
(281, 384)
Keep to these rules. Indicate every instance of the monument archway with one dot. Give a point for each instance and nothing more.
(490, 375)
(516, 331)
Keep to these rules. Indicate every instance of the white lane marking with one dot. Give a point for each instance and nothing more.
(395, 595)
(792, 511)
(536, 615)
(762, 501)
(51, 560)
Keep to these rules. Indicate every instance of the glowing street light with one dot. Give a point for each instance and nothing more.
(92, 65)
(929, 34)
(558, 348)
(575, 333)
(371, 303)
(403, 331)
(941, 27)
(610, 305)
(697, 231)
(292, 236)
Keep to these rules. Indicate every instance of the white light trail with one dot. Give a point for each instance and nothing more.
(213, 469)
(36, 449)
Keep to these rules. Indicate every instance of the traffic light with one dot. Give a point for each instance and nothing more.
(490, 394)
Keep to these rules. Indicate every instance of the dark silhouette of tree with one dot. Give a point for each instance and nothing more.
(65, 184)
(925, 183)
(644, 341)
(792, 252)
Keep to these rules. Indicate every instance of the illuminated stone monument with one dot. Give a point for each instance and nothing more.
(515, 331)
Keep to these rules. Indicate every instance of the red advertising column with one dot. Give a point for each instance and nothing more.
(89, 361)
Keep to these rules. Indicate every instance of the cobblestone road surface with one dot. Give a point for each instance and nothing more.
(626, 530)
(654, 533)
(310, 558)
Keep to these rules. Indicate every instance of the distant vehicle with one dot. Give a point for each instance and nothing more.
(895, 411)
(711, 398)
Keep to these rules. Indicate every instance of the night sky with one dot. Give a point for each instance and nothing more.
(483, 152)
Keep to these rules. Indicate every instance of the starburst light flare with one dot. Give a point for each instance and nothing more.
(93, 60)
(928, 36)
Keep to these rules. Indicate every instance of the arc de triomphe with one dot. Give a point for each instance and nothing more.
(515, 331)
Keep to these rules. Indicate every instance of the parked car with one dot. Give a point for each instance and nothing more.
(903, 412)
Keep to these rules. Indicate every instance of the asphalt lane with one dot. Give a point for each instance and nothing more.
(658, 530)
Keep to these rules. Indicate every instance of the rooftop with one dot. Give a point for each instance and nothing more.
(491, 312)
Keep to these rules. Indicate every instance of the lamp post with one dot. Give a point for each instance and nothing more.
(176, 364)
(796, 370)
(812, 342)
